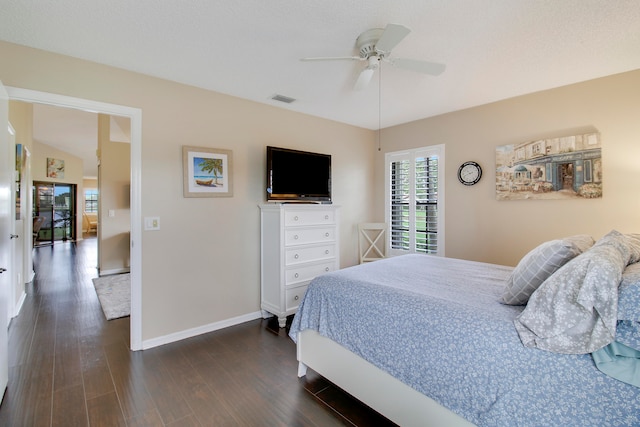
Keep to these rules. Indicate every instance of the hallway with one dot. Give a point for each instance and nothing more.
(68, 366)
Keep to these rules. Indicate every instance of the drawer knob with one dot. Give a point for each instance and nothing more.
(295, 237)
(295, 218)
(326, 234)
(296, 297)
(326, 252)
(326, 217)
(326, 269)
(296, 275)
(296, 256)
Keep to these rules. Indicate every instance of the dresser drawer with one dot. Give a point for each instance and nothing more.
(308, 217)
(303, 236)
(298, 242)
(304, 273)
(297, 255)
(293, 297)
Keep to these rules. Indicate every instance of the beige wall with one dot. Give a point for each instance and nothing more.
(90, 183)
(202, 266)
(480, 228)
(115, 191)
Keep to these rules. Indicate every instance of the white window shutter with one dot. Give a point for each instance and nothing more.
(415, 201)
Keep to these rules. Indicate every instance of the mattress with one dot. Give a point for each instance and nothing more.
(437, 325)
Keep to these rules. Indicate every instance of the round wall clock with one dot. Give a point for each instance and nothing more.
(469, 173)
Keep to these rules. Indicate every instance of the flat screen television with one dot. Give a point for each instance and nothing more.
(298, 176)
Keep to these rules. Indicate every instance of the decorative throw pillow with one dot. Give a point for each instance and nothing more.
(575, 310)
(633, 241)
(629, 293)
(536, 266)
(581, 241)
(628, 328)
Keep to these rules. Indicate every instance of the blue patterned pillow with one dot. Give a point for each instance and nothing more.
(539, 264)
(629, 293)
(628, 327)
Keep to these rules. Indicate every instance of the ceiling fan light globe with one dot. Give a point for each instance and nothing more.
(363, 79)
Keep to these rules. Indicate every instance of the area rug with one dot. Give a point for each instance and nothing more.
(114, 293)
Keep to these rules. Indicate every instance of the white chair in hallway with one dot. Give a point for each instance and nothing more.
(37, 225)
(92, 224)
(372, 241)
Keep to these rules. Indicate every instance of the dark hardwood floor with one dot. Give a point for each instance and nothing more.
(71, 367)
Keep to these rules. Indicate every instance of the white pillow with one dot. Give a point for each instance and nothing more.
(536, 266)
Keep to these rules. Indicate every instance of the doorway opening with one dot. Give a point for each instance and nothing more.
(135, 115)
(57, 204)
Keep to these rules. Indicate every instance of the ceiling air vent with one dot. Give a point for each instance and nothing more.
(282, 98)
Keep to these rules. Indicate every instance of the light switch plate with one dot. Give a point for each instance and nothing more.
(152, 223)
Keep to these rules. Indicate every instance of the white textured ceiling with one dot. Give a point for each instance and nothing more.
(493, 49)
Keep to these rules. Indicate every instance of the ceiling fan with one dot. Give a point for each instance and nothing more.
(375, 45)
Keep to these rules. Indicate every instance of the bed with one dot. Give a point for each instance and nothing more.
(428, 340)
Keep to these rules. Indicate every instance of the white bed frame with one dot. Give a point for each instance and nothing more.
(390, 397)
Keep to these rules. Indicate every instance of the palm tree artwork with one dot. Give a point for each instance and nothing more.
(212, 167)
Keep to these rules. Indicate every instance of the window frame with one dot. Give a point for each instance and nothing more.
(96, 201)
(411, 155)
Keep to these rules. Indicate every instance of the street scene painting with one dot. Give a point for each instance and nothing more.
(567, 167)
(207, 172)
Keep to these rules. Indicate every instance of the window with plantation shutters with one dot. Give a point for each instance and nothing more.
(415, 202)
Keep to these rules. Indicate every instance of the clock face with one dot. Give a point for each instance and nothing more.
(469, 173)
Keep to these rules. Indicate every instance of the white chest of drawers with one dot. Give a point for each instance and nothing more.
(298, 243)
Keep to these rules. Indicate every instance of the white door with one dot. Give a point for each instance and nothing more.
(6, 174)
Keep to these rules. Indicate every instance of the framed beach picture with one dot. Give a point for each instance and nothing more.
(207, 172)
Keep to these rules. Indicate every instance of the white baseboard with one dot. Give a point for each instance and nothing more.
(114, 271)
(177, 336)
(18, 306)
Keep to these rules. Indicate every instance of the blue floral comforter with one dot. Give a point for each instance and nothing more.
(437, 325)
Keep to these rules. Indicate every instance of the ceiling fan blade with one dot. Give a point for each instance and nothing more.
(364, 78)
(425, 67)
(334, 58)
(392, 35)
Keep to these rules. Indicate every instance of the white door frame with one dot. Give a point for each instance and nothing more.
(135, 115)
(17, 234)
(7, 214)
(26, 182)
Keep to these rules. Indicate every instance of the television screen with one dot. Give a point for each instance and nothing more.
(294, 175)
